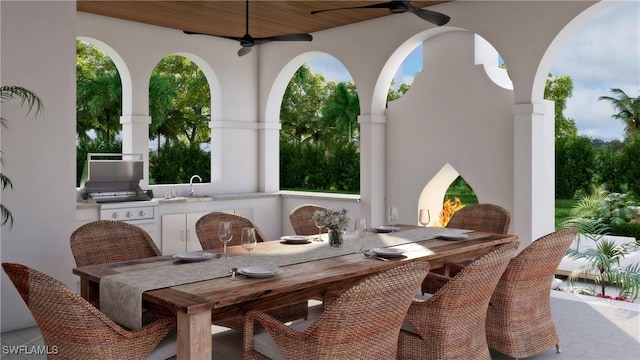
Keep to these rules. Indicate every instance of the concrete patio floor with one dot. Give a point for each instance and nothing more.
(589, 328)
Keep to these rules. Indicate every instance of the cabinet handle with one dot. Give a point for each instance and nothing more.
(181, 235)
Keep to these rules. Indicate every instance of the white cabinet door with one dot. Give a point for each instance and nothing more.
(173, 234)
(179, 233)
(193, 244)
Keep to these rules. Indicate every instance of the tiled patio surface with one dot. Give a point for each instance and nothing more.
(589, 328)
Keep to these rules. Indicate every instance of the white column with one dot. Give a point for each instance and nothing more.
(534, 171)
(372, 167)
(135, 139)
(269, 157)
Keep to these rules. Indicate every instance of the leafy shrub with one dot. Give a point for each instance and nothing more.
(176, 162)
(575, 164)
(627, 229)
(344, 168)
(605, 207)
(629, 169)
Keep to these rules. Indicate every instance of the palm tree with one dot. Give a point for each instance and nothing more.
(33, 103)
(628, 109)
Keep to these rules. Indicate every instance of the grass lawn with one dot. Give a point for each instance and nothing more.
(563, 207)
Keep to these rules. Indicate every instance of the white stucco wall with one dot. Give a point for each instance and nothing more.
(38, 53)
(452, 114)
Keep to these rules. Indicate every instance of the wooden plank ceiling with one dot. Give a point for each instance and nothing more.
(227, 18)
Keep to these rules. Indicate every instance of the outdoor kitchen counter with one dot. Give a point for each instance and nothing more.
(184, 199)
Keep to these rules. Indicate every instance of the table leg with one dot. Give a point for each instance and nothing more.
(194, 335)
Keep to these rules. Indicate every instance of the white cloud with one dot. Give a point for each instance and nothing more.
(603, 54)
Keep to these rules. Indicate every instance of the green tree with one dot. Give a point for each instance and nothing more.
(99, 105)
(33, 102)
(628, 110)
(301, 107)
(575, 163)
(629, 170)
(191, 107)
(396, 94)
(559, 89)
(92, 64)
(340, 112)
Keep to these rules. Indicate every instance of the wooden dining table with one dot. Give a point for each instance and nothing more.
(196, 304)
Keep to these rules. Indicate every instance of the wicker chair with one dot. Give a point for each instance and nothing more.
(207, 232)
(451, 323)
(106, 241)
(362, 323)
(481, 217)
(73, 329)
(301, 219)
(207, 229)
(519, 322)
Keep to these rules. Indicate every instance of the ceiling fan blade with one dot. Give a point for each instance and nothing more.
(386, 5)
(244, 50)
(222, 36)
(433, 17)
(286, 37)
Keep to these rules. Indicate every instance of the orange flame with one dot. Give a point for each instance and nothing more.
(448, 208)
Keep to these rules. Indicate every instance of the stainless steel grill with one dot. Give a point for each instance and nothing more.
(113, 182)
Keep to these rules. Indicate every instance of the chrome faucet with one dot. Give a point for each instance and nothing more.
(191, 191)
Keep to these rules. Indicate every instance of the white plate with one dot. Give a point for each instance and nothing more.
(388, 252)
(386, 229)
(193, 257)
(453, 236)
(260, 271)
(295, 239)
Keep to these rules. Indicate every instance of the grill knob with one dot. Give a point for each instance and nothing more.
(142, 213)
(129, 214)
(115, 215)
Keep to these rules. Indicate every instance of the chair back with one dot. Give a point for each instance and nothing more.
(364, 321)
(72, 328)
(105, 241)
(481, 217)
(456, 313)
(519, 321)
(301, 218)
(207, 229)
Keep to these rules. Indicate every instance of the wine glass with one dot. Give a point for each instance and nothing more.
(225, 235)
(319, 225)
(424, 217)
(392, 214)
(361, 230)
(248, 241)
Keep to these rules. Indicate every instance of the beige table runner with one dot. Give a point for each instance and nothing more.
(121, 294)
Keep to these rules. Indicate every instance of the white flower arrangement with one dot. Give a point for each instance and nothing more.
(332, 219)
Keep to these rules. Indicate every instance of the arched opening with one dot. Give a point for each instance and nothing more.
(319, 133)
(444, 194)
(179, 133)
(100, 79)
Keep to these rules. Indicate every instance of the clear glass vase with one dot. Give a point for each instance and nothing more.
(335, 238)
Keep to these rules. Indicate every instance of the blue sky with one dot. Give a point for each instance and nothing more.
(602, 54)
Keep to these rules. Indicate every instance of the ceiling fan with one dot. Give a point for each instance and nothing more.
(399, 6)
(247, 41)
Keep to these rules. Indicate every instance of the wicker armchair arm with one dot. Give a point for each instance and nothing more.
(433, 282)
(281, 333)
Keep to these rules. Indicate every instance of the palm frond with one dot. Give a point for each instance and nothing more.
(26, 97)
(7, 217)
